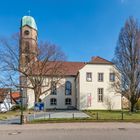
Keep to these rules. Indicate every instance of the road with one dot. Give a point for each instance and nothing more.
(72, 131)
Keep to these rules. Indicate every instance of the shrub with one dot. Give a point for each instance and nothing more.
(17, 107)
(138, 105)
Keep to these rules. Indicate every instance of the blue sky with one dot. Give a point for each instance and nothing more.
(82, 28)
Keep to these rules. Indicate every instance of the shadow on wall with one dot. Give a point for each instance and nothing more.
(83, 101)
(108, 103)
(60, 92)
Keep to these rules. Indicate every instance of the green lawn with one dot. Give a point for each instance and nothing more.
(97, 116)
(11, 114)
(113, 115)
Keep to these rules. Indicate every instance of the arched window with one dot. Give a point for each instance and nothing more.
(67, 101)
(27, 59)
(68, 87)
(27, 47)
(53, 101)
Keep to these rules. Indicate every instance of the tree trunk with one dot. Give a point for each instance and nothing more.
(37, 92)
(36, 99)
(132, 107)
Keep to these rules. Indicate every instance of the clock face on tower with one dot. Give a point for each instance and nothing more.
(26, 32)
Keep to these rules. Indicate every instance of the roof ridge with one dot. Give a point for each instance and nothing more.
(95, 59)
(67, 61)
(104, 59)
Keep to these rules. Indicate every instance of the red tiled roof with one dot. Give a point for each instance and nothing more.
(57, 68)
(63, 68)
(15, 95)
(99, 60)
(72, 68)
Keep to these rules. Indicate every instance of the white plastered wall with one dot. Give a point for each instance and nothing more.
(92, 87)
(60, 95)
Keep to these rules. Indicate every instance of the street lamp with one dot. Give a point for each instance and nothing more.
(122, 105)
(21, 107)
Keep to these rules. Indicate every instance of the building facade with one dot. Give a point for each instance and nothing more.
(5, 99)
(85, 85)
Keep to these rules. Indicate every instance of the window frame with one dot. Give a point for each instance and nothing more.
(112, 74)
(100, 93)
(27, 47)
(89, 73)
(27, 59)
(70, 101)
(53, 101)
(68, 88)
(53, 88)
(26, 32)
(100, 79)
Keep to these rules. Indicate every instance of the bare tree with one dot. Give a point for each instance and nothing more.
(48, 63)
(127, 60)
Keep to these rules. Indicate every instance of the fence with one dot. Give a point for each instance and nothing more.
(113, 115)
(92, 116)
(54, 115)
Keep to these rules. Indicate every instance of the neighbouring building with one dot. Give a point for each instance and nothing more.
(16, 97)
(85, 85)
(5, 99)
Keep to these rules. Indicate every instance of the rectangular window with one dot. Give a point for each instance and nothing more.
(67, 101)
(53, 101)
(100, 77)
(112, 77)
(89, 76)
(53, 88)
(100, 94)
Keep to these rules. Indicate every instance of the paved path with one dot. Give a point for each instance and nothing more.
(15, 120)
(50, 114)
(59, 114)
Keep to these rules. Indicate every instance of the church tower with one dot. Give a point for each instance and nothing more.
(28, 51)
(28, 41)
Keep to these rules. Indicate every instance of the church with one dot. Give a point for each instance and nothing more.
(86, 85)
